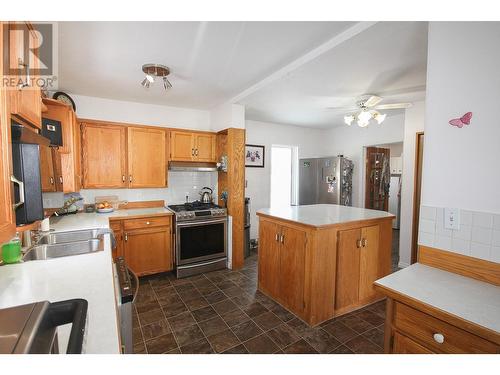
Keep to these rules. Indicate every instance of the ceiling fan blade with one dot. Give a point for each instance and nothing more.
(394, 106)
(347, 108)
(373, 100)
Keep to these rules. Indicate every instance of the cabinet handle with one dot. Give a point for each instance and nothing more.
(196, 152)
(123, 178)
(126, 237)
(147, 223)
(277, 237)
(192, 152)
(21, 192)
(52, 180)
(130, 178)
(22, 85)
(358, 243)
(364, 242)
(439, 338)
(282, 239)
(60, 180)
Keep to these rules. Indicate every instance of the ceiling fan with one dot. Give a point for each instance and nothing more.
(366, 109)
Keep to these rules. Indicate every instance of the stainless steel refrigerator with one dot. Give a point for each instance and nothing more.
(325, 180)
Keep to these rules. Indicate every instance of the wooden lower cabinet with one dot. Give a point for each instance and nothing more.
(409, 330)
(321, 272)
(145, 243)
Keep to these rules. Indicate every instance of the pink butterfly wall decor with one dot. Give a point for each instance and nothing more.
(460, 122)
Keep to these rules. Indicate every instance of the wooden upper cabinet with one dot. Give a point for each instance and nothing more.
(47, 170)
(25, 101)
(182, 145)
(292, 267)
(147, 162)
(104, 156)
(66, 116)
(205, 147)
(269, 257)
(191, 146)
(7, 218)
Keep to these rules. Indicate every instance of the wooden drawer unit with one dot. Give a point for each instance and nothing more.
(437, 335)
(405, 345)
(146, 222)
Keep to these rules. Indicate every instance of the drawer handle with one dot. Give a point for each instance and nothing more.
(147, 223)
(439, 338)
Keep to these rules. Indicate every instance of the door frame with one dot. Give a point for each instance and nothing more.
(417, 187)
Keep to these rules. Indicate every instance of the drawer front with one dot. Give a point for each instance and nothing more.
(146, 222)
(437, 334)
(405, 345)
(115, 226)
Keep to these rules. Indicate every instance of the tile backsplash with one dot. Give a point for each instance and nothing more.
(180, 184)
(478, 235)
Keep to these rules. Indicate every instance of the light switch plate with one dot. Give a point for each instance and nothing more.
(452, 218)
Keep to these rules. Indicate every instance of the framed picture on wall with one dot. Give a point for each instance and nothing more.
(254, 156)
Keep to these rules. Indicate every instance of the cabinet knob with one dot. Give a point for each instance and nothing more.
(439, 338)
(147, 223)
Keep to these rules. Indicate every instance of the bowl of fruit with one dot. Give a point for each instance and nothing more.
(104, 207)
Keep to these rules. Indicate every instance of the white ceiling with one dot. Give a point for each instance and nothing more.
(388, 59)
(211, 61)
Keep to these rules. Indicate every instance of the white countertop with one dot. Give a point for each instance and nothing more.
(472, 300)
(324, 214)
(96, 220)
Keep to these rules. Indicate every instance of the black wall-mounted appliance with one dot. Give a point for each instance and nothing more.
(52, 130)
(26, 174)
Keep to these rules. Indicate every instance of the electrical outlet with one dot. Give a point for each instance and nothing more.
(452, 218)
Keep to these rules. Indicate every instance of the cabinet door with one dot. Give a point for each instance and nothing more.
(269, 257)
(405, 345)
(47, 169)
(146, 158)
(25, 101)
(116, 227)
(368, 261)
(347, 286)
(292, 268)
(205, 147)
(7, 219)
(148, 251)
(182, 145)
(104, 156)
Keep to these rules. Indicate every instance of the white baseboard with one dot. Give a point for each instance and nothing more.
(403, 265)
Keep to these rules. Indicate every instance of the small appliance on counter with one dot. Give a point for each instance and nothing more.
(32, 328)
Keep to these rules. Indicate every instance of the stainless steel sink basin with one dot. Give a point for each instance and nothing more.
(48, 251)
(77, 235)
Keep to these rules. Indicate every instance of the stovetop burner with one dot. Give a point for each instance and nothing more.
(193, 206)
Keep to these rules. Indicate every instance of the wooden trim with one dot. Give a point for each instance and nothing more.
(416, 198)
(142, 204)
(466, 325)
(389, 315)
(127, 124)
(475, 268)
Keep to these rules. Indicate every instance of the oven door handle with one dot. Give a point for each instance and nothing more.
(205, 222)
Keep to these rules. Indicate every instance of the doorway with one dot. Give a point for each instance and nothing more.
(419, 156)
(283, 176)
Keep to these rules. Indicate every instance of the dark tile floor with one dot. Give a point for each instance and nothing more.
(222, 312)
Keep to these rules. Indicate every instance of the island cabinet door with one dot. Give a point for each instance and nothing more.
(347, 286)
(368, 261)
(292, 268)
(269, 258)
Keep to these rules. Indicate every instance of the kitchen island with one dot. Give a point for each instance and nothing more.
(320, 261)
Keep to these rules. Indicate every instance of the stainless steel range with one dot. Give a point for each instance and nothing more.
(200, 238)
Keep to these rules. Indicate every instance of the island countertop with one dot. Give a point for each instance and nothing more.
(323, 215)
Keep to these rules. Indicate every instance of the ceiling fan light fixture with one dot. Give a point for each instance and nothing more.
(364, 116)
(166, 84)
(362, 123)
(145, 83)
(380, 117)
(349, 119)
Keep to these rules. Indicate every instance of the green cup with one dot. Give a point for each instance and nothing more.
(11, 252)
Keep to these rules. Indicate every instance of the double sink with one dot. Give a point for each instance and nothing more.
(62, 244)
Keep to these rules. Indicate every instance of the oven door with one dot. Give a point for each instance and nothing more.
(200, 240)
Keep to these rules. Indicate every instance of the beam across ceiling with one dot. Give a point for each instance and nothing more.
(304, 59)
